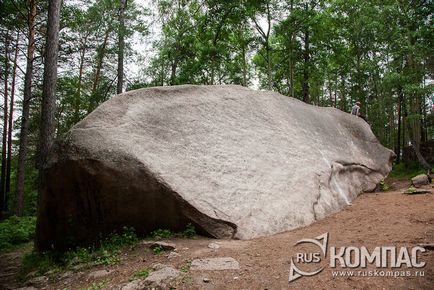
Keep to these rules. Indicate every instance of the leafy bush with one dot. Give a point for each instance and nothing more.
(383, 185)
(16, 230)
(189, 232)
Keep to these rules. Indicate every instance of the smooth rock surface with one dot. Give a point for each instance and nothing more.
(235, 162)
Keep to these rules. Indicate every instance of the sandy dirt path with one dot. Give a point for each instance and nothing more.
(374, 219)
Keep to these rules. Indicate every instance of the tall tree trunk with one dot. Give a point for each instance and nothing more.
(48, 106)
(121, 44)
(11, 120)
(398, 141)
(77, 104)
(5, 128)
(306, 58)
(22, 154)
(420, 158)
(99, 60)
(291, 57)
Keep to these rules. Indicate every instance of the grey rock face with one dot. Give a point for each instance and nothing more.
(236, 163)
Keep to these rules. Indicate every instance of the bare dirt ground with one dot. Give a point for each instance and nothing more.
(374, 219)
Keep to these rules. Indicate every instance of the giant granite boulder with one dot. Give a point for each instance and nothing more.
(235, 162)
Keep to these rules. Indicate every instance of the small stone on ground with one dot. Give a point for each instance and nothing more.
(213, 264)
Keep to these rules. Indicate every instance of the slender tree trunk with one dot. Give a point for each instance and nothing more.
(420, 158)
(22, 154)
(269, 67)
(97, 77)
(212, 70)
(398, 141)
(48, 106)
(243, 53)
(121, 36)
(291, 56)
(343, 101)
(330, 92)
(11, 120)
(100, 59)
(306, 58)
(77, 104)
(174, 66)
(5, 127)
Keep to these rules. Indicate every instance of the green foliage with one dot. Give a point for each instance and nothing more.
(16, 230)
(403, 170)
(108, 251)
(189, 232)
(158, 250)
(139, 274)
(411, 189)
(40, 263)
(161, 234)
(96, 286)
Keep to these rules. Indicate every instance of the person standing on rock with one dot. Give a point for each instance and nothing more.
(356, 109)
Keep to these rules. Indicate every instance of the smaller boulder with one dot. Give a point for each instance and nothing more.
(420, 180)
(162, 276)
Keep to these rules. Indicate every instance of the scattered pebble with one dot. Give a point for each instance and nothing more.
(173, 255)
(214, 246)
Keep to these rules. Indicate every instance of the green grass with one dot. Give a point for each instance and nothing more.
(96, 286)
(189, 232)
(139, 274)
(158, 250)
(15, 231)
(107, 253)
